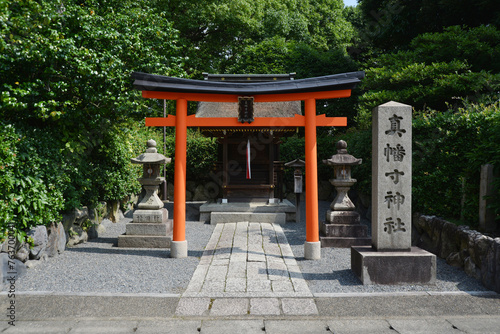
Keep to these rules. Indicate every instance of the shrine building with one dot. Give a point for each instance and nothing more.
(248, 166)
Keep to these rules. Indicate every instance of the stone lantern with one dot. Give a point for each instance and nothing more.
(150, 227)
(342, 227)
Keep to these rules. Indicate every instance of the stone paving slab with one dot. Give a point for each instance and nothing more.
(224, 307)
(169, 326)
(296, 327)
(424, 326)
(229, 306)
(356, 326)
(193, 307)
(36, 327)
(97, 327)
(299, 306)
(265, 306)
(252, 259)
(247, 269)
(233, 326)
(476, 325)
(260, 325)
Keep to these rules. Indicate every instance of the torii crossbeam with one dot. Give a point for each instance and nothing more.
(307, 90)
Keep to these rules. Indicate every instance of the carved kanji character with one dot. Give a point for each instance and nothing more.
(392, 226)
(396, 199)
(395, 175)
(395, 126)
(397, 152)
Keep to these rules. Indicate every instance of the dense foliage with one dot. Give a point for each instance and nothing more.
(392, 24)
(71, 119)
(437, 70)
(67, 101)
(449, 148)
(214, 33)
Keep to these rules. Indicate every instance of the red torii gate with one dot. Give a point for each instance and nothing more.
(307, 90)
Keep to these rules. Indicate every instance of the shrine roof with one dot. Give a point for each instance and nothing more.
(151, 82)
(260, 109)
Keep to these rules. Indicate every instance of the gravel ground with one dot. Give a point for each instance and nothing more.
(99, 266)
(332, 273)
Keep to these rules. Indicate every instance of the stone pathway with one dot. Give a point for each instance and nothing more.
(247, 268)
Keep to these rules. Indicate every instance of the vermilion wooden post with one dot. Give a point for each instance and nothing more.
(312, 246)
(178, 248)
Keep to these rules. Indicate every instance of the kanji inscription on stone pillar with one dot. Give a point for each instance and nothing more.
(391, 182)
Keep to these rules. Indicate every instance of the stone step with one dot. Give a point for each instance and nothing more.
(344, 242)
(144, 241)
(161, 229)
(252, 217)
(344, 230)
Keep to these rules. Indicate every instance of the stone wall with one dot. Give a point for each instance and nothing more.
(477, 254)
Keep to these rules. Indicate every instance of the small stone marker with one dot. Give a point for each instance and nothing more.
(392, 259)
(486, 215)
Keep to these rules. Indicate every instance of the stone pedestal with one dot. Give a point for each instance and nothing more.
(416, 266)
(312, 250)
(149, 229)
(179, 249)
(343, 229)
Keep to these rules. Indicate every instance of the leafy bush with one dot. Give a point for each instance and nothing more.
(449, 149)
(29, 193)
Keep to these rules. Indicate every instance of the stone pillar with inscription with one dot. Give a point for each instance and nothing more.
(392, 259)
(150, 227)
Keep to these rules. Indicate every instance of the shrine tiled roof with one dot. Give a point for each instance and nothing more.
(151, 82)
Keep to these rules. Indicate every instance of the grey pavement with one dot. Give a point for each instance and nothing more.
(355, 326)
(415, 312)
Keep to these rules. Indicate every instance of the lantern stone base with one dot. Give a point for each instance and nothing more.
(393, 267)
(343, 242)
(342, 229)
(150, 216)
(149, 229)
(162, 229)
(144, 241)
(342, 217)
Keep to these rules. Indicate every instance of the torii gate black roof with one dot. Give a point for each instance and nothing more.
(152, 82)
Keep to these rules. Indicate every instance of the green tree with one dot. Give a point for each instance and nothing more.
(214, 34)
(438, 70)
(389, 24)
(67, 95)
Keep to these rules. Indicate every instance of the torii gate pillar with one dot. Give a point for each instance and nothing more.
(312, 246)
(178, 247)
